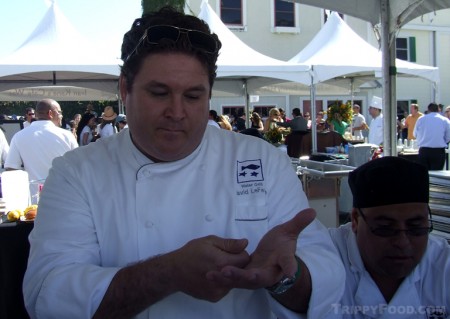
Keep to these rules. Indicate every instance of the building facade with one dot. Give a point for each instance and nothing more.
(280, 30)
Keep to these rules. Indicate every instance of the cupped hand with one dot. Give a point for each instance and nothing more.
(200, 256)
(273, 258)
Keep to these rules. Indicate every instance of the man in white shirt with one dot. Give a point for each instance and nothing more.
(376, 125)
(197, 223)
(394, 268)
(212, 119)
(4, 147)
(35, 147)
(358, 122)
(30, 116)
(432, 132)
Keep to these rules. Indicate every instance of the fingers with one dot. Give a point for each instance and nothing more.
(299, 222)
(232, 246)
(236, 277)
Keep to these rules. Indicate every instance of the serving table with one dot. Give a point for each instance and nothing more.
(322, 185)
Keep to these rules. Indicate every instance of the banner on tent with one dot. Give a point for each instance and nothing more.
(56, 93)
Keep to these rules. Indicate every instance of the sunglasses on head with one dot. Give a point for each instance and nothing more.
(157, 33)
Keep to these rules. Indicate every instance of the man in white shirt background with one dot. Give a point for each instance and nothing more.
(376, 125)
(432, 132)
(35, 147)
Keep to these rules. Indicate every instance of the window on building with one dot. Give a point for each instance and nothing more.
(406, 49)
(284, 14)
(231, 12)
(263, 110)
(232, 111)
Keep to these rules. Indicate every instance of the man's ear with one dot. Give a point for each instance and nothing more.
(123, 88)
(354, 219)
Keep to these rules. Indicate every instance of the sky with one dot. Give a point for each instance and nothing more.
(100, 21)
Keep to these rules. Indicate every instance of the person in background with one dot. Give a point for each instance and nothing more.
(44, 140)
(358, 123)
(224, 123)
(273, 119)
(86, 129)
(90, 109)
(321, 123)
(297, 124)
(107, 126)
(199, 223)
(376, 125)
(256, 122)
(392, 262)
(30, 115)
(337, 124)
(239, 121)
(4, 147)
(447, 112)
(212, 119)
(121, 122)
(283, 117)
(432, 132)
(308, 120)
(411, 120)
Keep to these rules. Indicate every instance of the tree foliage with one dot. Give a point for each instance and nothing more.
(154, 5)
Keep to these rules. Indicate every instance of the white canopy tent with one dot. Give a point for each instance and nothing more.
(357, 64)
(338, 51)
(391, 15)
(55, 54)
(242, 69)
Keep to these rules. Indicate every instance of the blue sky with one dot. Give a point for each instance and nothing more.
(100, 21)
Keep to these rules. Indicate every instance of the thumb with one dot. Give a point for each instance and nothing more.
(299, 222)
(232, 246)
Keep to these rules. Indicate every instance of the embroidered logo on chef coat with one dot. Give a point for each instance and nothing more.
(249, 171)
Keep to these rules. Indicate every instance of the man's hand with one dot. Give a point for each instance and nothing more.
(273, 258)
(200, 256)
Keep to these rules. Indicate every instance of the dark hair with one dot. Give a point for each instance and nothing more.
(433, 107)
(165, 16)
(213, 113)
(83, 122)
(296, 112)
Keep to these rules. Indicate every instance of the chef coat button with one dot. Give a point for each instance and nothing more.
(209, 218)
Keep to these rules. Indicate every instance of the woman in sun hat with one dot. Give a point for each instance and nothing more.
(107, 127)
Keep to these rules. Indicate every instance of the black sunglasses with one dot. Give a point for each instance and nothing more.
(197, 39)
(392, 232)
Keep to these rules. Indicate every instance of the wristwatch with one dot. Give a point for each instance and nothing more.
(286, 282)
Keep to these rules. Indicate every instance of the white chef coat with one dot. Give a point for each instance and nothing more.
(376, 130)
(425, 290)
(106, 205)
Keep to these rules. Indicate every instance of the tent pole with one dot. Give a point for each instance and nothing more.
(389, 72)
(313, 115)
(247, 102)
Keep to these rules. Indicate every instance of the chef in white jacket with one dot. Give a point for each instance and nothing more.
(394, 268)
(172, 218)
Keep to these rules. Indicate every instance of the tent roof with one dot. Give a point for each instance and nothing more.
(55, 53)
(401, 11)
(338, 51)
(238, 60)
